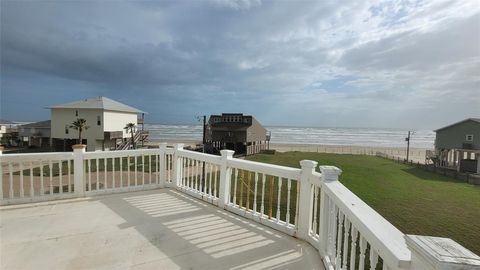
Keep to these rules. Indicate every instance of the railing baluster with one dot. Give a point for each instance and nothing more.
(97, 183)
(185, 169)
(195, 174)
(190, 174)
(42, 188)
(60, 177)
(105, 165)
(121, 172)
(334, 216)
(32, 193)
(249, 178)
(255, 193)
(353, 250)
(215, 181)
(10, 180)
(329, 227)
(169, 179)
(278, 199)
(89, 162)
(235, 187)
(128, 171)
(315, 202)
(69, 168)
(346, 230)
(150, 169)
(185, 172)
(211, 178)
(157, 168)
(338, 256)
(22, 192)
(241, 187)
(191, 170)
(270, 198)
(50, 166)
(289, 188)
(143, 170)
(262, 206)
(113, 172)
(363, 247)
(135, 171)
(373, 258)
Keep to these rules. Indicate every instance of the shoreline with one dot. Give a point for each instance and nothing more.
(417, 154)
(298, 145)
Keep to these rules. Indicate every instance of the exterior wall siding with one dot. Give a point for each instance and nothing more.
(116, 121)
(63, 117)
(453, 137)
(256, 132)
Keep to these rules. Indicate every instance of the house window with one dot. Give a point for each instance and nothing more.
(76, 112)
(99, 122)
(469, 137)
(66, 129)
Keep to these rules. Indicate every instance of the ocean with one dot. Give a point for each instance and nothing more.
(374, 137)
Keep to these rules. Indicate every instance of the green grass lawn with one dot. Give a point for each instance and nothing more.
(414, 200)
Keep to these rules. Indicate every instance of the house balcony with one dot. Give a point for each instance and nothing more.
(169, 208)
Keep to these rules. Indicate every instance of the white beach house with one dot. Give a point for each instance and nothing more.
(105, 117)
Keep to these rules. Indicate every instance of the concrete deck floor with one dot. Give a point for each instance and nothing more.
(159, 229)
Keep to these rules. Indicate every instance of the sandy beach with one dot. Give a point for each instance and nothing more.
(416, 154)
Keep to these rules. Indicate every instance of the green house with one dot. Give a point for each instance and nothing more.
(458, 145)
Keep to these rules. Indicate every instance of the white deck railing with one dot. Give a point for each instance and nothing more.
(303, 203)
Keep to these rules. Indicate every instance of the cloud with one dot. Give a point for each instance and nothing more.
(299, 63)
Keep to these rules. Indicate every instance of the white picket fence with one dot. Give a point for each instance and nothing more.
(313, 206)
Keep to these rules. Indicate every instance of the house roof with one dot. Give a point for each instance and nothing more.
(454, 124)
(41, 124)
(102, 103)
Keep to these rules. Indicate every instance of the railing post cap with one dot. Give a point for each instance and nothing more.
(441, 253)
(227, 153)
(308, 163)
(330, 173)
(79, 147)
(162, 145)
(179, 146)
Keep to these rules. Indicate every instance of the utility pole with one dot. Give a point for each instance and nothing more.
(408, 144)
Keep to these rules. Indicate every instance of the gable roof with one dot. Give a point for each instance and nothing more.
(454, 124)
(102, 103)
(41, 124)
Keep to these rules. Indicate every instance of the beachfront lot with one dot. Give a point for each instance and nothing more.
(415, 201)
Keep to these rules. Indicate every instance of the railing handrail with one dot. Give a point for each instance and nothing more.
(387, 240)
(119, 153)
(37, 156)
(198, 155)
(270, 169)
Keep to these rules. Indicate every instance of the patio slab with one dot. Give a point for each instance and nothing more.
(158, 229)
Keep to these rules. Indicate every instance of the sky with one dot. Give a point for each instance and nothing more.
(388, 64)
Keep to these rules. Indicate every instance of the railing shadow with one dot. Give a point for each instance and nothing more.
(190, 234)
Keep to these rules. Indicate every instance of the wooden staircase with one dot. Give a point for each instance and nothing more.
(138, 137)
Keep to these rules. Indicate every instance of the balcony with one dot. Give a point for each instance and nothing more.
(170, 208)
(160, 229)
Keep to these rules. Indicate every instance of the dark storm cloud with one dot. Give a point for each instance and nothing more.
(177, 59)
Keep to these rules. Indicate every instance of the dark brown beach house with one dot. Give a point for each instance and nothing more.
(235, 131)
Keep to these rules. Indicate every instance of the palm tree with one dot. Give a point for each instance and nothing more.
(80, 124)
(130, 127)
